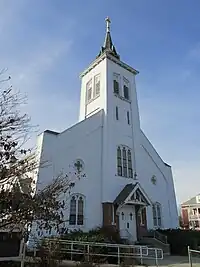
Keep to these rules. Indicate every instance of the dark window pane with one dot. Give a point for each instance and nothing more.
(130, 173)
(73, 206)
(119, 170)
(80, 220)
(116, 86)
(117, 113)
(80, 206)
(128, 119)
(119, 152)
(119, 162)
(126, 93)
(125, 172)
(72, 219)
(124, 163)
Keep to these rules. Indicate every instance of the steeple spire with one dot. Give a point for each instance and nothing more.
(108, 45)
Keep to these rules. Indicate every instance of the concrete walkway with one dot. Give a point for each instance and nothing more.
(168, 261)
(176, 261)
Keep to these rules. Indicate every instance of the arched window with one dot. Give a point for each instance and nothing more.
(116, 78)
(124, 162)
(131, 216)
(126, 89)
(76, 216)
(89, 91)
(80, 211)
(72, 217)
(130, 170)
(122, 216)
(156, 209)
(119, 161)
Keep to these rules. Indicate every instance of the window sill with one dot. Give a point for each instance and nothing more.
(91, 100)
(76, 226)
(122, 98)
(124, 176)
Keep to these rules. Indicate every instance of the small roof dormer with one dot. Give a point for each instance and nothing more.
(108, 44)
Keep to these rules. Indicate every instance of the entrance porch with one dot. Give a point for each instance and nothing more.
(128, 212)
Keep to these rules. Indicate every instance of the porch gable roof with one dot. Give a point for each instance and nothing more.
(127, 192)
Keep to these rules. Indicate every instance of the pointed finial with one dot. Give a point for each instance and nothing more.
(108, 24)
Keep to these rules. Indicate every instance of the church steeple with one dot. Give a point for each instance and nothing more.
(108, 45)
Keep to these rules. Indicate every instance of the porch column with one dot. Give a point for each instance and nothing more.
(141, 228)
(110, 216)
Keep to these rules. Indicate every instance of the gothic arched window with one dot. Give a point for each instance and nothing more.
(130, 170)
(156, 209)
(76, 216)
(124, 154)
(124, 162)
(97, 85)
(116, 86)
(72, 217)
(126, 89)
(119, 161)
(80, 211)
(89, 90)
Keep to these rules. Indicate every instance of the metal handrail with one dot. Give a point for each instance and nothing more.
(157, 235)
(85, 248)
(190, 257)
(160, 237)
(132, 251)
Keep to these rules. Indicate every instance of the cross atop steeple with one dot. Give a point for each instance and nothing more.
(108, 45)
(107, 24)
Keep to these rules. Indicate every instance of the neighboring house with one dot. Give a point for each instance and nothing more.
(190, 212)
(120, 179)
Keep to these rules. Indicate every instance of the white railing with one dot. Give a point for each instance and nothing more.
(89, 249)
(193, 257)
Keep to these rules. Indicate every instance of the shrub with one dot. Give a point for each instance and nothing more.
(101, 234)
(180, 239)
(98, 235)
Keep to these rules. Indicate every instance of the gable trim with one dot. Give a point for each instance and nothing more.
(138, 187)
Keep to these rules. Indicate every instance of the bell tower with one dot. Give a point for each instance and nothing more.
(94, 79)
(108, 84)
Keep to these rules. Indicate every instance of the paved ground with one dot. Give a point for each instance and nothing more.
(177, 261)
(168, 261)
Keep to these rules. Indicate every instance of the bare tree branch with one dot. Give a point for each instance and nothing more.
(20, 202)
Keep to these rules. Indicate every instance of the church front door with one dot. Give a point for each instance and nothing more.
(127, 223)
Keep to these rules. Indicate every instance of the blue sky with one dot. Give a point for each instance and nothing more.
(46, 44)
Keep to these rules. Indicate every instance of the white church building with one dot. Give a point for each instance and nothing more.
(120, 179)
